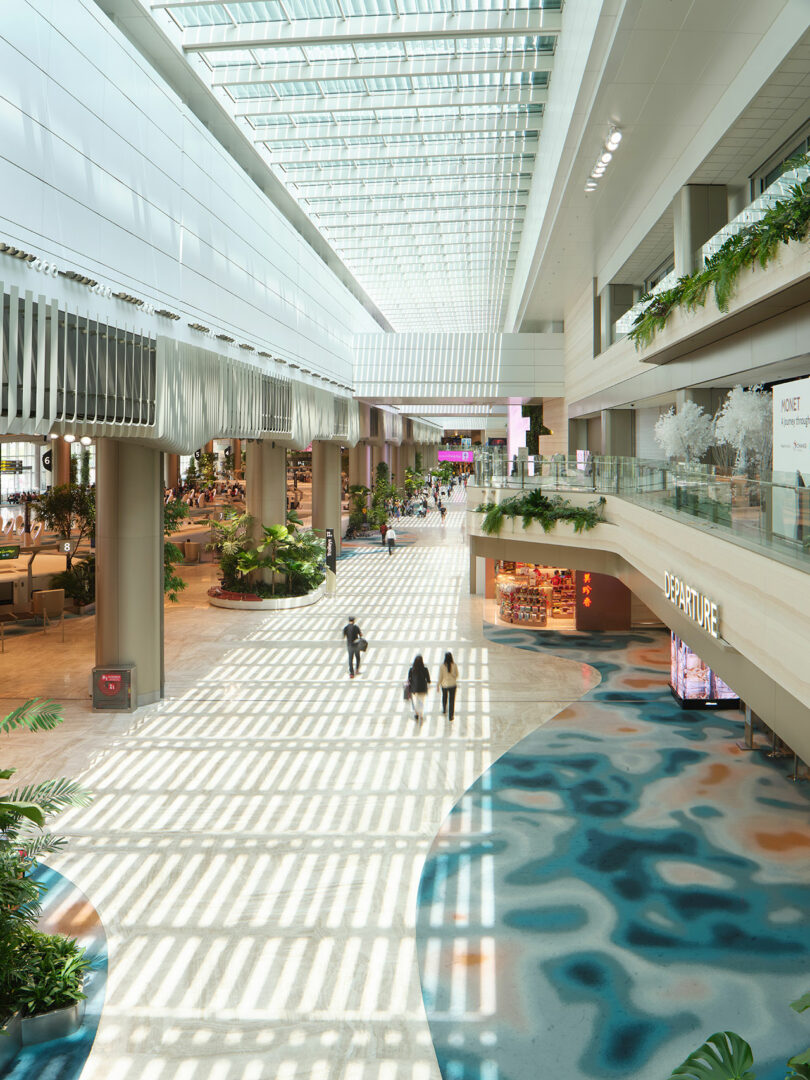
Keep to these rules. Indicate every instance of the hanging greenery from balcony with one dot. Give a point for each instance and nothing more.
(540, 508)
(756, 244)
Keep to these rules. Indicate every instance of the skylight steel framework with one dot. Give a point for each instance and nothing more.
(407, 130)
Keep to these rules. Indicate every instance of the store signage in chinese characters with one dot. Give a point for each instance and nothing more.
(587, 590)
(692, 603)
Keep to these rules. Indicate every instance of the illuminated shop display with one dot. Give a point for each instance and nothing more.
(693, 683)
(538, 596)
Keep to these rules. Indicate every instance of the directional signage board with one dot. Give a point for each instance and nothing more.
(331, 552)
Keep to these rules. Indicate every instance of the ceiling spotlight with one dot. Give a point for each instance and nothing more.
(54, 437)
(85, 440)
(606, 157)
(614, 139)
(69, 438)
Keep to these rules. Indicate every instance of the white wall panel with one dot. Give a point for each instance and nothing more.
(470, 367)
(105, 171)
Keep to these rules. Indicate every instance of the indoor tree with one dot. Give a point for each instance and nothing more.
(745, 422)
(173, 513)
(69, 510)
(687, 433)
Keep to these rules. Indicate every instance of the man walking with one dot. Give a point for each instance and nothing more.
(391, 537)
(353, 633)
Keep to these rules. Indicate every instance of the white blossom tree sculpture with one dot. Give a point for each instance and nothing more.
(745, 422)
(687, 433)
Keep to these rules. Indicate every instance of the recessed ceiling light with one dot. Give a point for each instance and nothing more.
(606, 157)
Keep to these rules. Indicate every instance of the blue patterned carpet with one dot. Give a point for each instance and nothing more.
(66, 910)
(620, 885)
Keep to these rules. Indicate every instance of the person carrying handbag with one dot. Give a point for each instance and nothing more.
(354, 644)
(418, 685)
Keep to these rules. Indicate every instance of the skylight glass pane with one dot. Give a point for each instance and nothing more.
(282, 54)
(395, 83)
(329, 52)
(380, 50)
(297, 89)
(342, 86)
(256, 11)
(213, 15)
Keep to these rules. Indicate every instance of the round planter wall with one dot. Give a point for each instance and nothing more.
(52, 1025)
(270, 603)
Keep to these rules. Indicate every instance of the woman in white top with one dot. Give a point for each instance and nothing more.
(448, 680)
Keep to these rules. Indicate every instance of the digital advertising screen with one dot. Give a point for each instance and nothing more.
(693, 682)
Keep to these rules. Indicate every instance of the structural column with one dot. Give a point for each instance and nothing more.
(379, 452)
(554, 418)
(360, 465)
(326, 488)
(618, 432)
(698, 212)
(172, 470)
(266, 483)
(129, 563)
(398, 462)
(60, 462)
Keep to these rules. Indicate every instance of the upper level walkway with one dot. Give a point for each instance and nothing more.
(772, 519)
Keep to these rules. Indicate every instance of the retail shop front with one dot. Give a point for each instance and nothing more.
(539, 597)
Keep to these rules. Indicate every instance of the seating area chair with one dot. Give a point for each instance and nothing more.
(19, 525)
(49, 604)
(8, 527)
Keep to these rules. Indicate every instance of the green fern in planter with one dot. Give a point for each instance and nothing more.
(755, 245)
(536, 507)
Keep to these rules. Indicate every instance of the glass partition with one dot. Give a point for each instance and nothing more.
(761, 515)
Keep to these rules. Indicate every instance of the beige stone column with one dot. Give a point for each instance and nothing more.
(555, 419)
(379, 453)
(397, 459)
(326, 488)
(266, 483)
(172, 470)
(60, 462)
(360, 465)
(129, 563)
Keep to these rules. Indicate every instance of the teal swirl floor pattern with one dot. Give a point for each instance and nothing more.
(620, 885)
(66, 910)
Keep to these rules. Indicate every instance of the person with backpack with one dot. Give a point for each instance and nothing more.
(352, 633)
(418, 685)
(448, 682)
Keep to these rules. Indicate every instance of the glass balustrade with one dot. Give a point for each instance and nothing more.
(765, 516)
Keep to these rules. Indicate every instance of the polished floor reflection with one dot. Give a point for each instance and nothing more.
(256, 842)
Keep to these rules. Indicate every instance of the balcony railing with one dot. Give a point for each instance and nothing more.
(755, 211)
(765, 516)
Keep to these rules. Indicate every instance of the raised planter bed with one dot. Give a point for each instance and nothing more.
(52, 1025)
(219, 597)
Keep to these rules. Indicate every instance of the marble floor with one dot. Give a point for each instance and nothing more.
(256, 841)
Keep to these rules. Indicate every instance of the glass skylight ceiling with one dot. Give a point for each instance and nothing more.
(407, 130)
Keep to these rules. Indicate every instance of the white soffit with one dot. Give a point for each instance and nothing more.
(407, 131)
